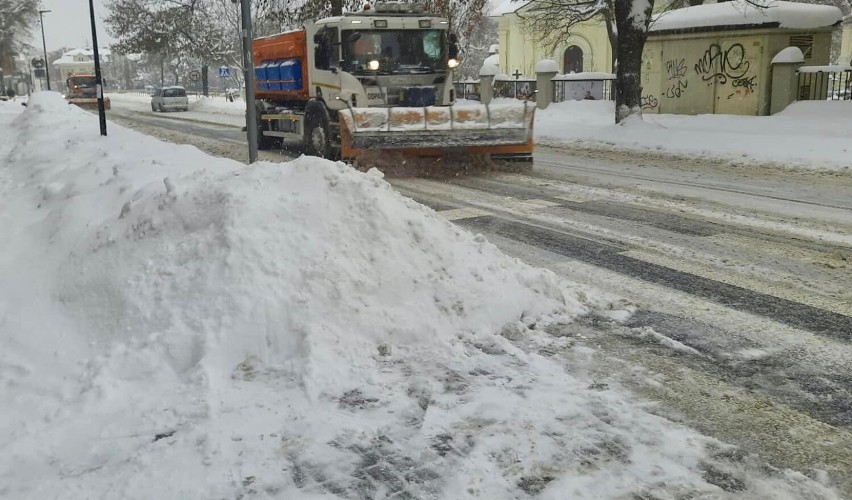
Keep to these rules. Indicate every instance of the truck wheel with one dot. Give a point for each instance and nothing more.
(317, 135)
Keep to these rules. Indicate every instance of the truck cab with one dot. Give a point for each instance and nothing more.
(392, 54)
(375, 80)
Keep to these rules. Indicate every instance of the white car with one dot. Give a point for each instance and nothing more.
(169, 98)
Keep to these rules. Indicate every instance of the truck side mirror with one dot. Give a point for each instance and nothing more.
(453, 52)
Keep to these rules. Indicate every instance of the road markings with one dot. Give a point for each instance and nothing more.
(780, 290)
(839, 260)
(462, 213)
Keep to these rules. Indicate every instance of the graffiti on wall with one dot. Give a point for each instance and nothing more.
(723, 64)
(676, 71)
(649, 102)
(746, 82)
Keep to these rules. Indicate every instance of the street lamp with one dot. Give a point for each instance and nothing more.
(44, 46)
(248, 78)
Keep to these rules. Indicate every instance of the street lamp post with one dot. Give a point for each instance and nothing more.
(248, 78)
(99, 85)
(44, 46)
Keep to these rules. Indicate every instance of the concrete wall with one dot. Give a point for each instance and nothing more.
(519, 50)
(726, 72)
(846, 45)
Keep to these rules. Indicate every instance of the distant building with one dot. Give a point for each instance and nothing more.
(586, 49)
(116, 69)
(716, 58)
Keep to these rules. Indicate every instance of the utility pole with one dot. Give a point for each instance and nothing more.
(248, 73)
(44, 46)
(98, 81)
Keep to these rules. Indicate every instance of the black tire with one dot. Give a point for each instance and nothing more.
(153, 108)
(161, 109)
(317, 138)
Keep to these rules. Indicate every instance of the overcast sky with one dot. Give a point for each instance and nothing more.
(68, 24)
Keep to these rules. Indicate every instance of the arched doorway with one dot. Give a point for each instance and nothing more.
(572, 60)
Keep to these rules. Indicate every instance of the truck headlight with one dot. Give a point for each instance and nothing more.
(373, 65)
(452, 63)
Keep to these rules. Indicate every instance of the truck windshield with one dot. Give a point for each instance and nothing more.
(396, 51)
(85, 82)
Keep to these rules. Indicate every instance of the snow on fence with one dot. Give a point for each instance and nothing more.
(832, 83)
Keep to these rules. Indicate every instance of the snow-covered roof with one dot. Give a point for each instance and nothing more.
(742, 13)
(69, 57)
(507, 6)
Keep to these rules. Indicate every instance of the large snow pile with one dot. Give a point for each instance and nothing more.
(174, 325)
(807, 134)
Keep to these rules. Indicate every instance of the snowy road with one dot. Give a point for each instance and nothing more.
(741, 278)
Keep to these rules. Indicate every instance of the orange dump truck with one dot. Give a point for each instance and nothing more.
(82, 91)
(380, 79)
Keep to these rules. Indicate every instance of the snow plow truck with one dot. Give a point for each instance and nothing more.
(378, 80)
(83, 91)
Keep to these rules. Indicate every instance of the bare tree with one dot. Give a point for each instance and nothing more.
(632, 18)
(551, 22)
(627, 21)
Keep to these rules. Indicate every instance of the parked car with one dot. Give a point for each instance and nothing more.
(169, 98)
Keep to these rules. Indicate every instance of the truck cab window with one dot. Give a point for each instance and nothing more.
(327, 51)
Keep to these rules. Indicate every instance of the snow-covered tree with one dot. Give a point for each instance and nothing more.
(17, 19)
(179, 31)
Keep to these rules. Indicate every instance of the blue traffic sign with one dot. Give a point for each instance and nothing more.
(224, 72)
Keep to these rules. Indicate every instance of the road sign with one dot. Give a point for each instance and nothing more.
(194, 76)
(224, 72)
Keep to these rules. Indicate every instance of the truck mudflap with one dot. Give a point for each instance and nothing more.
(503, 130)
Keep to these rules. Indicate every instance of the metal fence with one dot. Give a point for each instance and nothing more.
(467, 89)
(828, 84)
(519, 88)
(573, 89)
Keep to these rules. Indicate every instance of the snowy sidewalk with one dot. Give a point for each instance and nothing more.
(813, 135)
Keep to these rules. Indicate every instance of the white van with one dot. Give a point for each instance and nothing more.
(169, 98)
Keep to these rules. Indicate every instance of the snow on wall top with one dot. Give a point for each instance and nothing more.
(825, 69)
(789, 55)
(586, 75)
(739, 12)
(546, 66)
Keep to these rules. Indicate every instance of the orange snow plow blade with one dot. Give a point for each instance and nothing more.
(88, 102)
(502, 130)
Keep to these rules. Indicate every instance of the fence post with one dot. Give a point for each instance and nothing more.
(545, 70)
(486, 83)
(785, 81)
